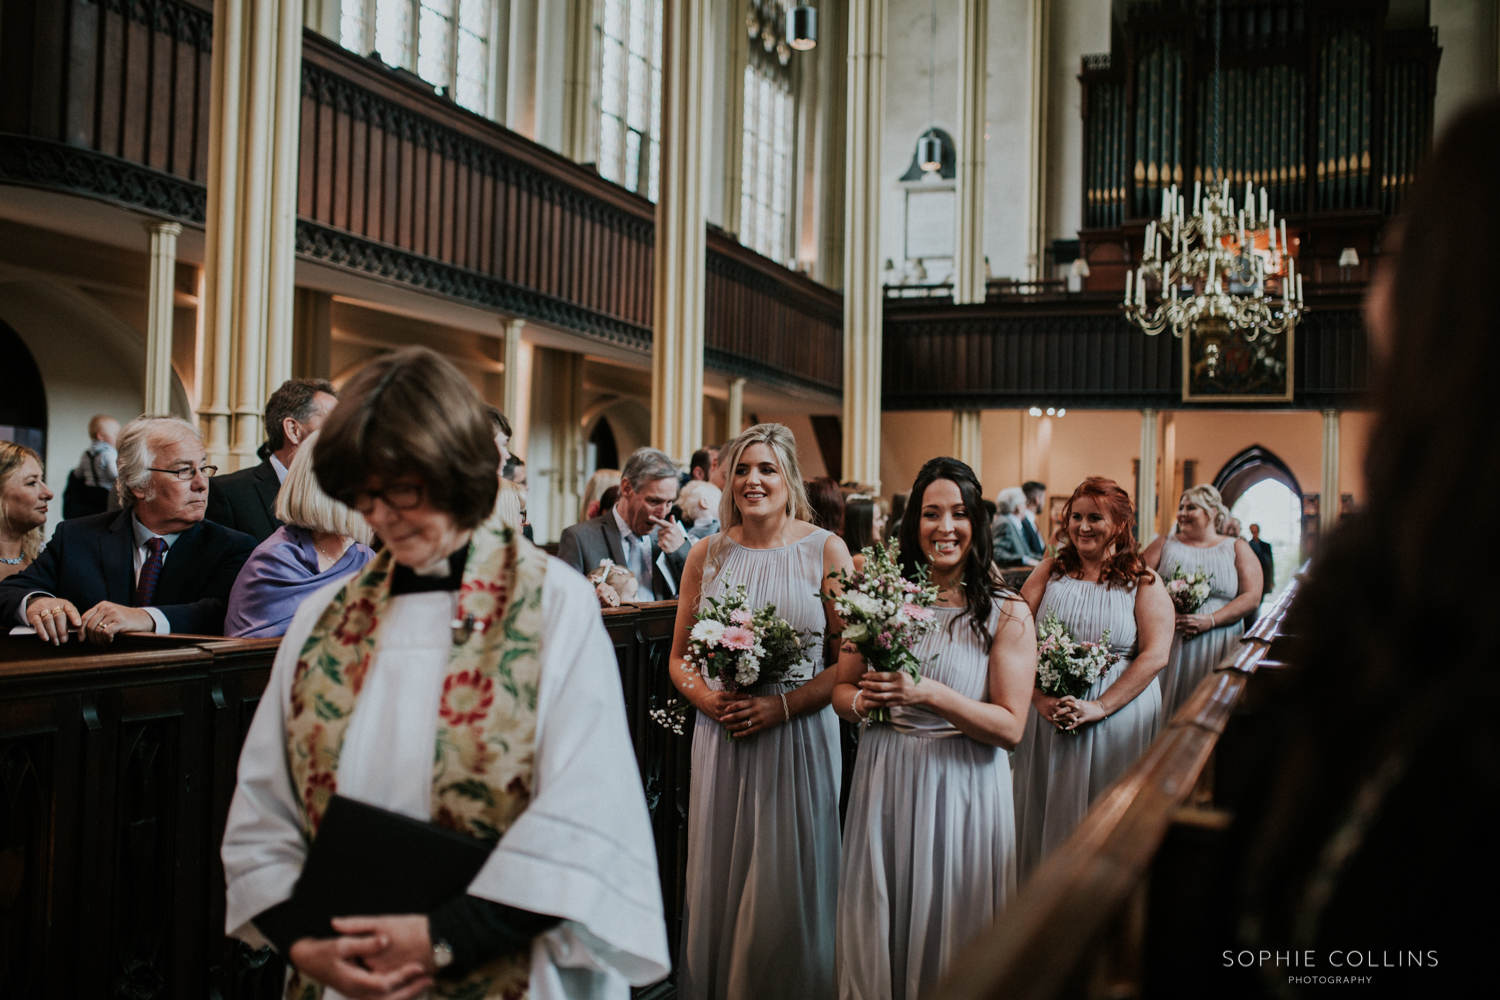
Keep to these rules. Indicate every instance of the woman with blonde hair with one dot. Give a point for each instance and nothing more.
(23, 507)
(600, 481)
(320, 540)
(1201, 544)
(763, 827)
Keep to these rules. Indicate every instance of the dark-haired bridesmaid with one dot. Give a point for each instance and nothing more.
(1075, 748)
(929, 839)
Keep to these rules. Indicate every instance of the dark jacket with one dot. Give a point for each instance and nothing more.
(90, 559)
(583, 546)
(1262, 552)
(246, 501)
(1010, 546)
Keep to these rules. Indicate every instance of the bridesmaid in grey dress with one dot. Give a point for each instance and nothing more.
(1205, 637)
(929, 839)
(763, 819)
(1075, 748)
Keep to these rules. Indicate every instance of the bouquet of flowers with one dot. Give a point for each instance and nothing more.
(739, 647)
(1188, 591)
(885, 614)
(1065, 666)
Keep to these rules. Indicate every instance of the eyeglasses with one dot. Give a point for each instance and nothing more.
(187, 472)
(398, 496)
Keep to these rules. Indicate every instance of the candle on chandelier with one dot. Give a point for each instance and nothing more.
(1299, 289)
(1286, 247)
(1129, 286)
(1197, 195)
(1263, 203)
(1140, 288)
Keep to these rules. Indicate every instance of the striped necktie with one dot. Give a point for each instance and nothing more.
(145, 586)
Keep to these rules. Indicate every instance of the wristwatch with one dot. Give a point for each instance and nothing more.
(442, 954)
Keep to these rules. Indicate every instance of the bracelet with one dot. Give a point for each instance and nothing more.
(854, 705)
(1211, 622)
(788, 711)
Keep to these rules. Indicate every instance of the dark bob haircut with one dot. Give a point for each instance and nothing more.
(411, 414)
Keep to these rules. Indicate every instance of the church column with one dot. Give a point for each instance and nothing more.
(1166, 490)
(577, 72)
(1328, 504)
(1036, 191)
(968, 253)
(968, 441)
(1145, 501)
(159, 313)
(735, 411)
(862, 291)
(521, 68)
(677, 327)
(251, 221)
(555, 447)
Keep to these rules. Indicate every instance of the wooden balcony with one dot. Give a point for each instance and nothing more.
(110, 100)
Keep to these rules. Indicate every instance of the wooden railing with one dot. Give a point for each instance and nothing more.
(117, 770)
(1078, 351)
(1075, 929)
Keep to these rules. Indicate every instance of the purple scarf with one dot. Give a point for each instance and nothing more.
(280, 573)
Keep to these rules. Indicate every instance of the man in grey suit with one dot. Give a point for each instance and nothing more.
(636, 533)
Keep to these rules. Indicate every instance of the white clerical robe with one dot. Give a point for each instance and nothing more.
(583, 850)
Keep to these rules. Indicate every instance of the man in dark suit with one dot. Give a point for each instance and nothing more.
(246, 500)
(635, 532)
(1262, 552)
(155, 566)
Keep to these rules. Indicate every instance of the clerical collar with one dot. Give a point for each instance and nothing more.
(405, 580)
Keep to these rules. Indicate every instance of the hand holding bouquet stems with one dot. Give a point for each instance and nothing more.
(739, 647)
(885, 614)
(1066, 667)
(1188, 591)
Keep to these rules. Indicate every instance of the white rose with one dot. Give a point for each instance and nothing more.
(857, 633)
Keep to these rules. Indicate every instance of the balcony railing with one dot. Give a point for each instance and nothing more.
(109, 100)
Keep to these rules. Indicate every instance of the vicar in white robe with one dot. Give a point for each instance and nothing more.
(568, 905)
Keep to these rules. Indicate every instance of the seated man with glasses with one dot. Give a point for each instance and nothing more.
(155, 566)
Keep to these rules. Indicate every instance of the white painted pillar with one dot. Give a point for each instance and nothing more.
(1039, 23)
(862, 292)
(1328, 504)
(968, 440)
(1145, 502)
(973, 77)
(677, 327)
(510, 376)
(735, 415)
(521, 68)
(159, 312)
(251, 221)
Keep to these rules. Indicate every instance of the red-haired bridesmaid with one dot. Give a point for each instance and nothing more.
(1075, 748)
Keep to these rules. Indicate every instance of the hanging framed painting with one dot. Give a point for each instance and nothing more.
(1222, 364)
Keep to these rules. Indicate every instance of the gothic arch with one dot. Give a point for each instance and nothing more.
(1249, 467)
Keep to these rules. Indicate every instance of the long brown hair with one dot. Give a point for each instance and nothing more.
(1125, 568)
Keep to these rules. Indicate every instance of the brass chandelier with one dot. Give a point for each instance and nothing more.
(1226, 263)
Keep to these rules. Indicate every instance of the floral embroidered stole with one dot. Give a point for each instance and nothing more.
(486, 732)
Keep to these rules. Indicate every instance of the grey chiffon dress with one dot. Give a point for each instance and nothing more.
(1193, 658)
(763, 819)
(1057, 774)
(929, 838)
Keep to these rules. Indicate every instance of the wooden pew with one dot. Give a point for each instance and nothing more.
(116, 771)
(1080, 926)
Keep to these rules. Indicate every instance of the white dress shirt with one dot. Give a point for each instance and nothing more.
(280, 469)
(637, 553)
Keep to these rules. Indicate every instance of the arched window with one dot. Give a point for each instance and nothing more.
(627, 36)
(445, 42)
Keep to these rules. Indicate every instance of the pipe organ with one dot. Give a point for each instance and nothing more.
(1317, 101)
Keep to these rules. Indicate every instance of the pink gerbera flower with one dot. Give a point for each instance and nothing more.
(740, 617)
(916, 612)
(737, 637)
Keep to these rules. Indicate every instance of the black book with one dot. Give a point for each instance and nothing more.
(368, 861)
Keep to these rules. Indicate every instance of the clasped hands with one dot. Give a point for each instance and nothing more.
(1068, 712)
(742, 714)
(51, 616)
(374, 958)
(1191, 625)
